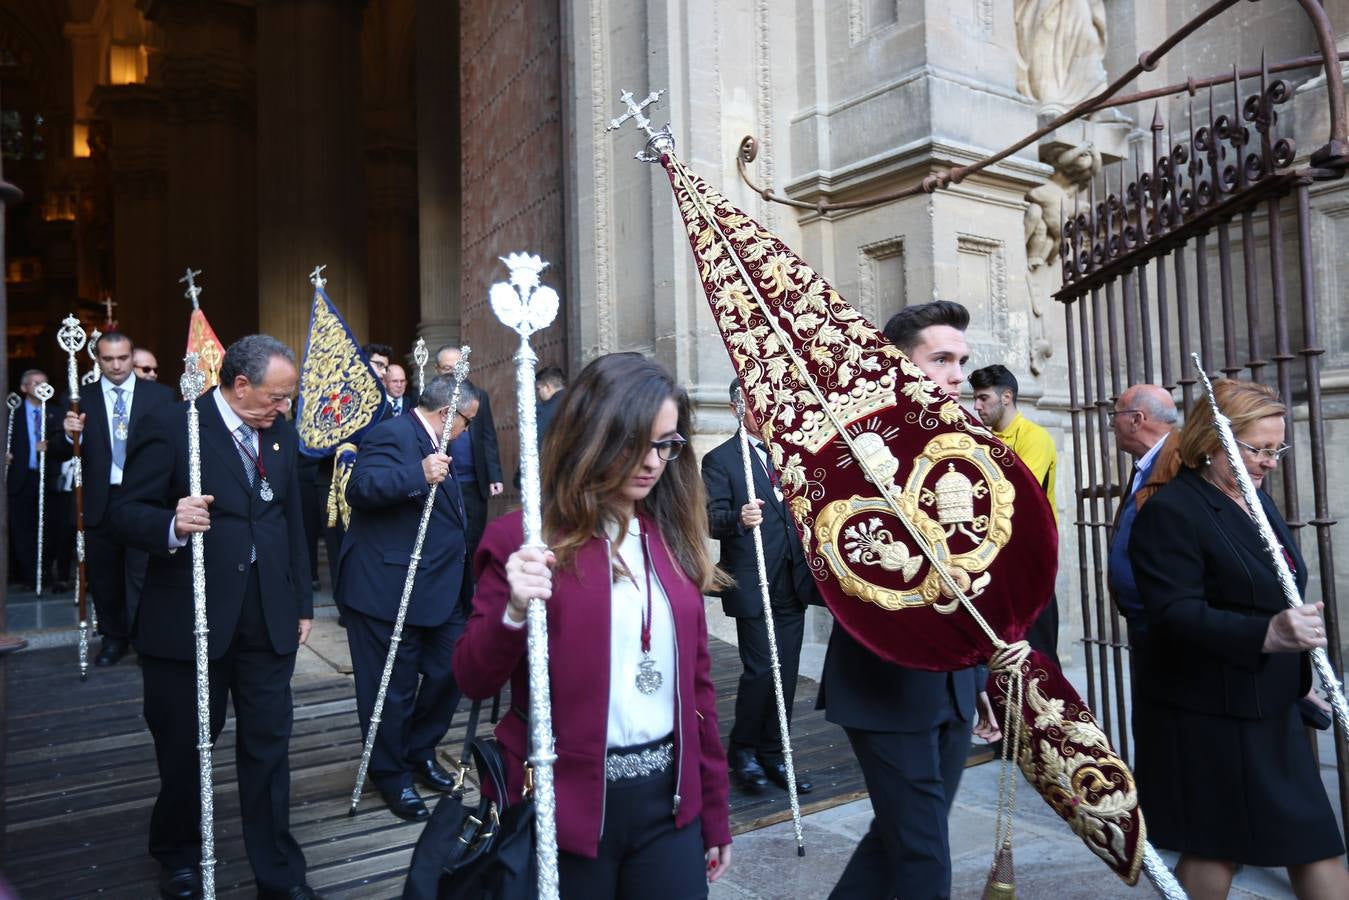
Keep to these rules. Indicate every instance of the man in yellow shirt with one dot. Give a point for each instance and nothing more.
(995, 398)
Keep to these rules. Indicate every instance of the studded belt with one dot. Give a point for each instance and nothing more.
(622, 764)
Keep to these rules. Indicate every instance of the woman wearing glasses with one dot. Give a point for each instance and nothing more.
(1226, 775)
(640, 776)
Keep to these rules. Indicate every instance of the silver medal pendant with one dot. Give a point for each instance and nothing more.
(265, 491)
(648, 679)
(120, 431)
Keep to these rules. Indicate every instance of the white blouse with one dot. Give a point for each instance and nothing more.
(634, 717)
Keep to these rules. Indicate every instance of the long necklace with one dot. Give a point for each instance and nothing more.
(264, 487)
(648, 679)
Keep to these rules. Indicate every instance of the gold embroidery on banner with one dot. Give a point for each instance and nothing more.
(1093, 791)
(940, 501)
(338, 388)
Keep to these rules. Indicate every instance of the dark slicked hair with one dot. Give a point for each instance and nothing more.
(906, 325)
(995, 376)
(383, 350)
(249, 356)
(113, 337)
(551, 375)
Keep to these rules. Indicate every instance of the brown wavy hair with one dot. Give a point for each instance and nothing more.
(1243, 402)
(600, 434)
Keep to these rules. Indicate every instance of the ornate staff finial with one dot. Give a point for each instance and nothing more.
(420, 357)
(524, 305)
(193, 291)
(316, 277)
(461, 366)
(44, 391)
(93, 374)
(193, 381)
(71, 337)
(107, 304)
(658, 141)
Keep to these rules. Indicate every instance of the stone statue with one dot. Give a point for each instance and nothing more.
(1052, 202)
(1061, 49)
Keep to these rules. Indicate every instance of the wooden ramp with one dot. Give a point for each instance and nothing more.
(81, 780)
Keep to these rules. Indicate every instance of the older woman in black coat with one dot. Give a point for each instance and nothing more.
(1226, 775)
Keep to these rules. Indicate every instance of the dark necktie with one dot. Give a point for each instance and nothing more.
(244, 445)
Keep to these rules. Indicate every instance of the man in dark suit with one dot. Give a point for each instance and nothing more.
(113, 410)
(1143, 420)
(398, 463)
(396, 384)
(477, 461)
(755, 755)
(910, 729)
(21, 480)
(259, 607)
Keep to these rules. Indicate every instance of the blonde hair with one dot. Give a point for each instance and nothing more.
(1243, 402)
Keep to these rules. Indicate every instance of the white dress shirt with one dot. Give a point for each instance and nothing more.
(128, 388)
(762, 457)
(1144, 463)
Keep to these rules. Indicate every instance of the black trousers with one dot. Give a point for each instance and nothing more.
(912, 778)
(112, 570)
(257, 679)
(475, 520)
(416, 715)
(641, 854)
(23, 529)
(756, 711)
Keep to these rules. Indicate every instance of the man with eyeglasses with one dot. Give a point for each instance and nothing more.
(755, 755)
(112, 414)
(1143, 419)
(398, 464)
(145, 364)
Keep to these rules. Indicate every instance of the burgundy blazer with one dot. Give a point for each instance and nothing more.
(490, 652)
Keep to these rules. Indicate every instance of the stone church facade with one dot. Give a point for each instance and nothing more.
(407, 144)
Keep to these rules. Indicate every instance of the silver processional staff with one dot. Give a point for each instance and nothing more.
(44, 392)
(525, 306)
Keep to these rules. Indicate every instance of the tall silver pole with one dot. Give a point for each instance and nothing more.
(420, 356)
(792, 797)
(71, 339)
(93, 374)
(12, 403)
(1325, 673)
(44, 392)
(525, 306)
(192, 384)
(376, 715)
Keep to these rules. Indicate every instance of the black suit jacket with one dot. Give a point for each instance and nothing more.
(156, 477)
(724, 478)
(1209, 589)
(387, 492)
(486, 456)
(96, 440)
(20, 477)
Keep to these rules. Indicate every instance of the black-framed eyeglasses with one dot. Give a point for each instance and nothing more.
(1270, 453)
(670, 448)
(468, 420)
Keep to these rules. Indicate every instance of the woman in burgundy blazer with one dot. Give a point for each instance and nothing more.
(640, 777)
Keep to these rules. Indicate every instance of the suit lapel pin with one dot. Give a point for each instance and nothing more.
(276, 446)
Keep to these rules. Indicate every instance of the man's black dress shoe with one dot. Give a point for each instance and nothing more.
(747, 772)
(406, 805)
(299, 892)
(777, 773)
(111, 652)
(180, 884)
(432, 774)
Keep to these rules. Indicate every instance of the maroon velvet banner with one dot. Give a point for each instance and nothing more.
(882, 472)
(1067, 758)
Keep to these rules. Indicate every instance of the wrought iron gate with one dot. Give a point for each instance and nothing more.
(1164, 257)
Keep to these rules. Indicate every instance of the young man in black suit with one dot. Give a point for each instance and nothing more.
(259, 607)
(398, 463)
(21, 479)
(113, 411)
(909, 729)
(755, 754)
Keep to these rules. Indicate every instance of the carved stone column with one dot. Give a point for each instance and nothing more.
(310, 163)
(439, 201)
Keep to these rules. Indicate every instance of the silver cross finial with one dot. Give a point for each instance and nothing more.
(316, 277)
(193, 291)
(658, 141)
(193, 381)
(108, 304)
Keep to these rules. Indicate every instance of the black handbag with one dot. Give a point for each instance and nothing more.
(480, 853)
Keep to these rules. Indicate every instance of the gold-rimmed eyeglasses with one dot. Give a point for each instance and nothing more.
(1270, 453)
